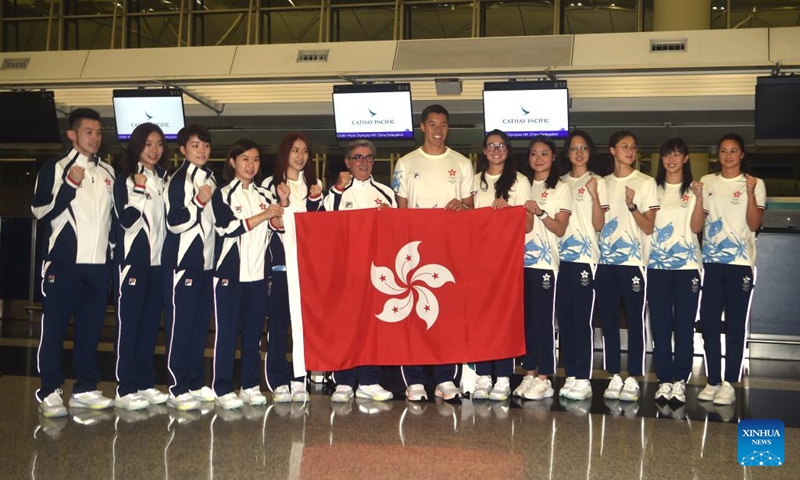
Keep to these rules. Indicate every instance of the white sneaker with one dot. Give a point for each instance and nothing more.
(131, 401)
(154, 396)
(299, 392)
(630, 390)
(527, 382)
(93, 400)
(282, 394)
(539, 390)
(614, 388)
(416, 393)
(568, 384)
(204, 394)
(679, 391)
(446, 391)
(252, 396)
(581, 390)
(343, 393)
(183, 402)
(664, 392)
(482, 388)
(726, 395)
(53, 406)
(708, 393)
(229, 401)
(501, 390)
(374, 392)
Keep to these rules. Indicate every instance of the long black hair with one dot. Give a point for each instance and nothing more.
(130, 158)
(555, 173)
(667, 148)
(745, 165)
(508, 176)
(591, 165)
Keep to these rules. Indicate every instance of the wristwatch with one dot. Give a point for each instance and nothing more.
(633, 208)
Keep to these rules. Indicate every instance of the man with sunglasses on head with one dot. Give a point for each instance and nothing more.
(433, 176)
(355, 189)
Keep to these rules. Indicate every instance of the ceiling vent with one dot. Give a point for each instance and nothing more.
(312, 56)
(668, 45)
(15, 64)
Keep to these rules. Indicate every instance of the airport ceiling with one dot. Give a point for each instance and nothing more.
(700, 121)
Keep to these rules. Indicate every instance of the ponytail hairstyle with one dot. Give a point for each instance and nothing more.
(745, 165)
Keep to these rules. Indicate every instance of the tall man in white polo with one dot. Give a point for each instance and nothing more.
(433, 176)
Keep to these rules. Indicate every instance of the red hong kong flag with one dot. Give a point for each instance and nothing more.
(404, 287)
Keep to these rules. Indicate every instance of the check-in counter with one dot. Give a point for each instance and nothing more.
(775, 311)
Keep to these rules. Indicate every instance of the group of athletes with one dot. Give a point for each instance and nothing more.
(183, 244)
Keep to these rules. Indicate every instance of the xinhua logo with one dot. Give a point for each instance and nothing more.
(761, 443)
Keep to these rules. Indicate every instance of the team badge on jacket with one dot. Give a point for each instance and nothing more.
(636, 284)
(132, 282)
(546, 283)
(584, 278)
(51, 279)
(188, 282)
(224, 282)
(695, 285)
(746, 285)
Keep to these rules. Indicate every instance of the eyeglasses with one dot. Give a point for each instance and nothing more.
(627, 147)
(497, 146)
(363, 158)
(582, 148)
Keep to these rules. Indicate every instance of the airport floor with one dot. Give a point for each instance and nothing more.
(553, 439)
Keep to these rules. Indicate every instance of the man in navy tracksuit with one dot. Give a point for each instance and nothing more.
(355, 190)
(188, 260)
(73, 198)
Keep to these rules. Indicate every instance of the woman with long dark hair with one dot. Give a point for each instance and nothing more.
(549, 210)
(295, 184)
(622, 271)
(141, 228)
(579, 255)
(734, 202)
(497, 185)
(673, 270)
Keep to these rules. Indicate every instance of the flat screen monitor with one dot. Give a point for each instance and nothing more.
(28, 118)
(375, 111)
(163, 107)
(777, 114)
(526, 109)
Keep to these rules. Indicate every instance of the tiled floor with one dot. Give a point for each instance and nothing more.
(554, 439)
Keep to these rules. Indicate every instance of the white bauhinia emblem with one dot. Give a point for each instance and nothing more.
(432, 275)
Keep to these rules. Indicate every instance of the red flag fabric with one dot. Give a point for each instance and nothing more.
(405, 287)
